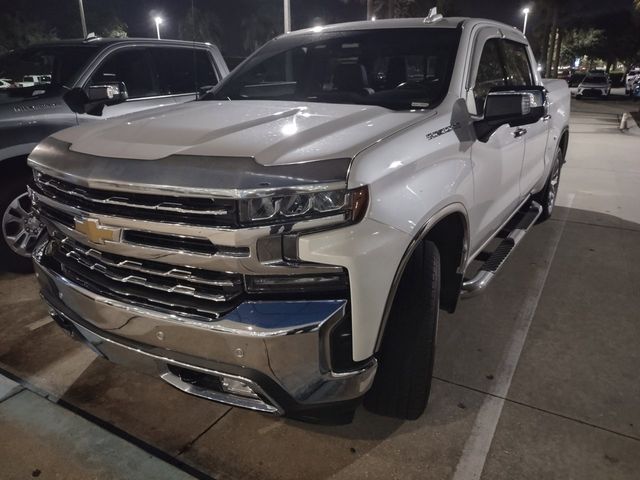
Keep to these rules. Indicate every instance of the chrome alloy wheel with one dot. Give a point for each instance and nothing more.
(20, 226)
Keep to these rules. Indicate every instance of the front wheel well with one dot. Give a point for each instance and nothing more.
(564, 143)
(449, 236)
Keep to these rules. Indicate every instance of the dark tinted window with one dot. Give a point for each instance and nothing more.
(130, 66)
(517, 66)
(394, 68)
(490, 72)
(182, 70)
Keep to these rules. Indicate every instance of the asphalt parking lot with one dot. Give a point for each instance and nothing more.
(539, 378)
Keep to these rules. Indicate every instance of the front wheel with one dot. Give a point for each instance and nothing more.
(20, 226)
(403, 380)
(549, 194)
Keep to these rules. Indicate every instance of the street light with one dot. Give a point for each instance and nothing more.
(82, 20)
(525, 11)
(287, 15)
(158, 21)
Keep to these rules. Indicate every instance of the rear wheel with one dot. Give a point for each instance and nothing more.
(20, 226)
(549, 194)
(403, 381)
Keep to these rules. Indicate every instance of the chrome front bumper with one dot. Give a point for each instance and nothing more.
(279, 350)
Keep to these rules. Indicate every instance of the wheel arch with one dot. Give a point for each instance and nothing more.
(451, 222)
(564, 143)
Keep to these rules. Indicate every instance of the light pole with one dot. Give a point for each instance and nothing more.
(525, 11)
(287, 16)
(82, 20)
(158, 21)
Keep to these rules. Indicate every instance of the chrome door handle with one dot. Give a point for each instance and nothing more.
(519, 132)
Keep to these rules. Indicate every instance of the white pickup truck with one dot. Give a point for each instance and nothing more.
(286, 242)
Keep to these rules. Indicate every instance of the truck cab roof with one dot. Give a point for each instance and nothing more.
(422, 22)
(105, 42)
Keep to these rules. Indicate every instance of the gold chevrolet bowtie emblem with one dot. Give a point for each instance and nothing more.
(95, 232)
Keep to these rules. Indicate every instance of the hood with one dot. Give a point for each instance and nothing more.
(273, 133)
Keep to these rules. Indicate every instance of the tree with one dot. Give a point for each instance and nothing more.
(410, 8)
(17, 32)
(201, 26)
(114, 29)
(580, 42)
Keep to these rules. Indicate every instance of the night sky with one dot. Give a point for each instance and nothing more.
(137, 14)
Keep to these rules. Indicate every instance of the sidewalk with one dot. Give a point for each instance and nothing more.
(63, 445)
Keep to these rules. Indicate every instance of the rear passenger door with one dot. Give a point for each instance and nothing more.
(520, 74)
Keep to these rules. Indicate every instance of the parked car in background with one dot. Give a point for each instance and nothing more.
(31, 81)
(575, 79)
(285, 243)
(595, 84)
(5, 83)
(631, 77)
(118, 75)
(635, 89)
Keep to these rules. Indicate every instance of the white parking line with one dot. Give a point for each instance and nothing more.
(40, 323)
(476, 448)
(8, 387)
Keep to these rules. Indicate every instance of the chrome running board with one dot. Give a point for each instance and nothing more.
(517, 228)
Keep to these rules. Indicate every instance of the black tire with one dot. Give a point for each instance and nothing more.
(549, 194)
(402, 384)
(15, 186)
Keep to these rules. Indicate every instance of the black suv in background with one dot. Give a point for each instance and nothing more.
(83, 81)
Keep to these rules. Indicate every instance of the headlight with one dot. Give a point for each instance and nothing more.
(303, 206)
(261, 208)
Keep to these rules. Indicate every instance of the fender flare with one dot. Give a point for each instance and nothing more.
(420, 235)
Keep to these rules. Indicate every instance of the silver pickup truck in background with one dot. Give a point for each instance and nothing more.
(153, 72)
(286, 243)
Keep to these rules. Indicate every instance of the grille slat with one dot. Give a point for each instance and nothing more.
(176, 243)
(184, 290)
(192, 210)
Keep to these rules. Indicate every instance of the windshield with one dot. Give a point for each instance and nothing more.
(393, 68)
(596, 80)
(44, 65)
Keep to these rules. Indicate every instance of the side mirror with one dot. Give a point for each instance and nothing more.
(108, 93)
(93, 99)
(513, 107)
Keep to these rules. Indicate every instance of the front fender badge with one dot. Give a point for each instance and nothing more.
(442, 131)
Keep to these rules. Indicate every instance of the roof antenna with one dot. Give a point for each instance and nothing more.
(433, 16)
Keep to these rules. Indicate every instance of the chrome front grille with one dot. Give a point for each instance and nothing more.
(203, 294)
(219, 212)
(178, 243)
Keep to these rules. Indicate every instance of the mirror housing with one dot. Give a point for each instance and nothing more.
(108, 93)
(94, 98)
(513, 106)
